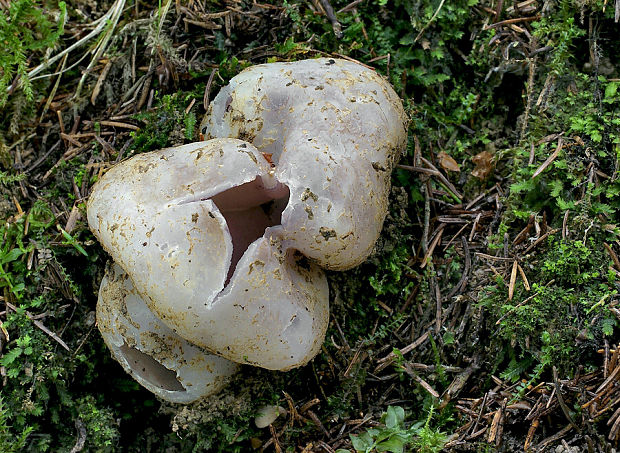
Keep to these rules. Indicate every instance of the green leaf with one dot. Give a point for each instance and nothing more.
(565, 205)
(24, 340)
(10, 356)
(190, 124)
(363, 442)
(596, 136)
(407, 40)
(610, 90)
(72, 241)
(11, 256)
(556, 188)
(607, 326)
(395, 444)
(394, 417)
(449, 338)
(18, 288)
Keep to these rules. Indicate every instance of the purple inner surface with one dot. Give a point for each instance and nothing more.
(248, 210)
(151, 370)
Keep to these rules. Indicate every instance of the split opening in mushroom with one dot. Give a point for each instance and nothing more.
(249, 209)
(150, 370)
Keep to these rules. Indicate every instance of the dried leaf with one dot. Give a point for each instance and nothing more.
(447, 162)
(526, 283)
(484, 164)
(513, 280)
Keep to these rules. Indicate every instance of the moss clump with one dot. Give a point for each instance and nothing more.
(566, 311)
(167, 125)
(25, 28)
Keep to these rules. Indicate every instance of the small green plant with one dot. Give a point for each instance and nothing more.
(394, 437)
(70, 240)
(517, 368)
(11, 442)
(429, 440)
(389, 274)
(6, 179)
(100, 425)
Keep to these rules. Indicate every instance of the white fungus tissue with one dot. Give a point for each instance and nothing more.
(221, 243)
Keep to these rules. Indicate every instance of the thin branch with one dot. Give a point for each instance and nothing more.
(41, 326)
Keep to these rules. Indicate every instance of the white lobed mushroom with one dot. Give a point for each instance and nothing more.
(224, 240)
(153, 354)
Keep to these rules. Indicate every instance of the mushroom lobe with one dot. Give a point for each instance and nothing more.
(153, 354)
(196, 227)
(333, 129)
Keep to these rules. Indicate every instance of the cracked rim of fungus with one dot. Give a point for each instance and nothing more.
(334, 130)
(177, 220)
(153, 354)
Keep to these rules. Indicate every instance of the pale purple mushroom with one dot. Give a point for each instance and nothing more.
(224, 240)
(334, 130)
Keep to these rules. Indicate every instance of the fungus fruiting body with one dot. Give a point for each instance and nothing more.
(225, 240)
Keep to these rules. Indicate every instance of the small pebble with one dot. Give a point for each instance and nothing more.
(267, 415)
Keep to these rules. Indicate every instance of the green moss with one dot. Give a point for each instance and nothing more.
(167, 125)
(563, 313)
(100, 424)
(25, 28)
